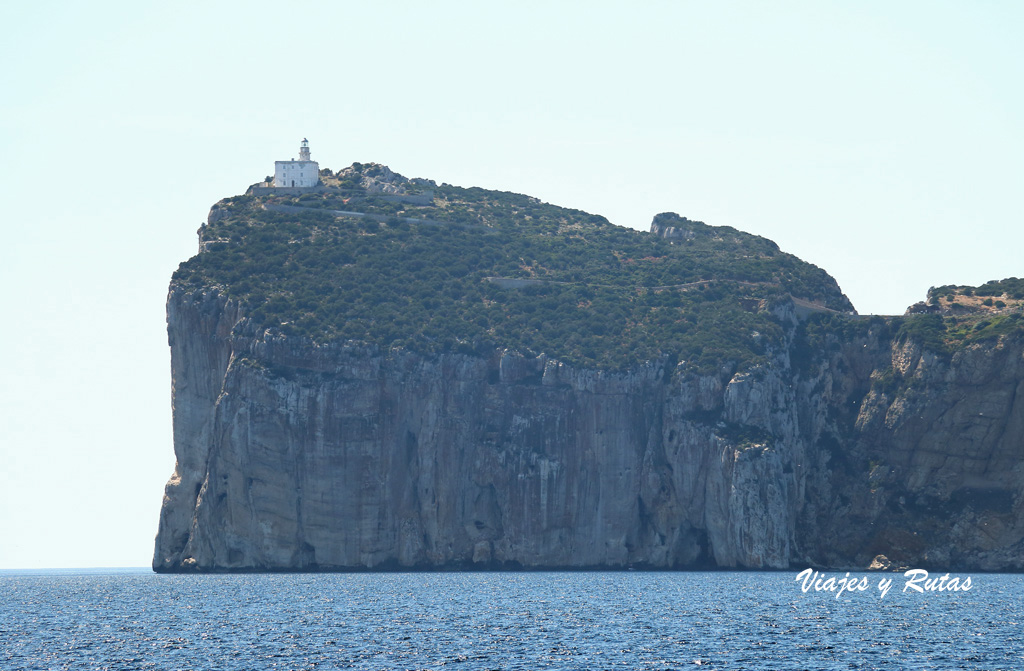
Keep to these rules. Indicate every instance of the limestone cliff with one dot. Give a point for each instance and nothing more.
(297, 456)
(845, 438)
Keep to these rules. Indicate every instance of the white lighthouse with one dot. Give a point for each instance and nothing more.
(302, 172)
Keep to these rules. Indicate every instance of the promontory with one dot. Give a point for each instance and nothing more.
(380, 373)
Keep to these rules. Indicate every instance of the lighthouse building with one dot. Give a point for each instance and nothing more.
(301, 172)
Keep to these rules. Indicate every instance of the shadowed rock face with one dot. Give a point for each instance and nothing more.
(295, 456)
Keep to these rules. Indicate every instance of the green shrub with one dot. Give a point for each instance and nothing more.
(928, 330)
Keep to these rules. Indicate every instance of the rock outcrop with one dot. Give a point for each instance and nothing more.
(298, 456)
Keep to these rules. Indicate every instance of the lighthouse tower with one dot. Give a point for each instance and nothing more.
(297, 173)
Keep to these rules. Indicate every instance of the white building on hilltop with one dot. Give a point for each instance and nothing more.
(302, 172)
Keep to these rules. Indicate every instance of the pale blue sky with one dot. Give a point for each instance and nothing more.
(881, 141)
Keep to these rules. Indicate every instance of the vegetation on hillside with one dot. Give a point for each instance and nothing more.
(955, 316)
(1010, 288)
(945, 335)
(599, 294)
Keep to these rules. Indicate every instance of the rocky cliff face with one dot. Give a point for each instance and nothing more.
(296, 456)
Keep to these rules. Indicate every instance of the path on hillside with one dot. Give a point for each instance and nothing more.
(298, 209)
(520, 282)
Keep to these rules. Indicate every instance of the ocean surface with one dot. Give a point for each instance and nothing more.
(134, 619)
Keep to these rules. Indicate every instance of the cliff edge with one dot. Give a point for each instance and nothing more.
(476, 379)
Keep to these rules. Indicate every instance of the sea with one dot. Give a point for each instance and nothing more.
(135, 619)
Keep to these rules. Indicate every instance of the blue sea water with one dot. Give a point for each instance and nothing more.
(132, 619)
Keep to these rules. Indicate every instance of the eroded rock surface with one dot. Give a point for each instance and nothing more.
(295, 456)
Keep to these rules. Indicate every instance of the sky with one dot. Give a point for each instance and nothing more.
(883, 142)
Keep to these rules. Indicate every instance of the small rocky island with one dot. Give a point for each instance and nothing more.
(378, 373)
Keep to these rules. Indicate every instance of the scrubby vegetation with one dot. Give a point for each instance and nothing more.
(1012, 288)
(828, 332)
(928, 330)
(960, 331)
(945, 335)
(601, 295)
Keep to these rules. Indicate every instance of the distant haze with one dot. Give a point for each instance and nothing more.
(881, 142)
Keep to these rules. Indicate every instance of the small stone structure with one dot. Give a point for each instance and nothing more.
(297, 173)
